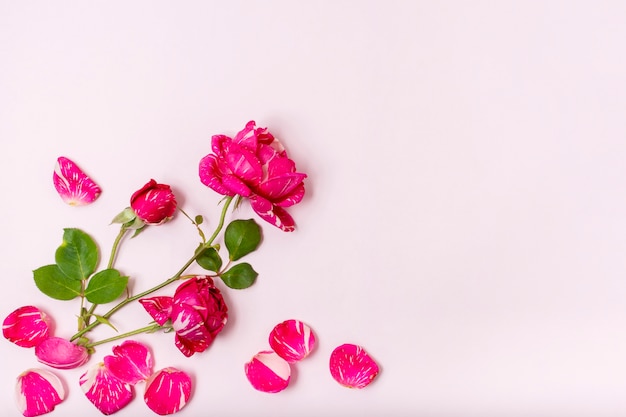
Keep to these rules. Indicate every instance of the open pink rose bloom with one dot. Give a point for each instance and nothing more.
(197, 311)
(268, 372)
(73, 185)
(26, 327)
(292, 340)
(256, 166)
(352, 367)
(38, 392)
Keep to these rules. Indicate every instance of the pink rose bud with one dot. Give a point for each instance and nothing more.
(268, 372)
(104, 390)
(292, 340)
(60, 353)
(131, 362)
(352, 367)
(154, 203)
(167, 391)
(37, 392)
(74, 187)
(26, 327)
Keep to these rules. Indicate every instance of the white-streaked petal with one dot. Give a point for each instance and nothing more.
(73, 185)
(268, 372)
(37, 392)
(292, 340)
(352, 367)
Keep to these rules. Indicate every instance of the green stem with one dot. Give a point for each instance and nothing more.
(150, 328)
(174, 278)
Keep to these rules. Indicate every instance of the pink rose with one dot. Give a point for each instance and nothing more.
(255, 165)
(154, 203)
(197, 312)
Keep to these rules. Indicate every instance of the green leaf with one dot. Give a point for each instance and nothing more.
(241, 237)
(239, 276)
(77, 256)
(209, 259)
(55, 284)
(105, 286)
(125, 216)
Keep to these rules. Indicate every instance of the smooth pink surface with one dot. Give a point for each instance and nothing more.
(26, 326)
(38, 392)
(464, 209)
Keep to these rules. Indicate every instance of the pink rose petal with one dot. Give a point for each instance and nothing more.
(60, 353)
(352, 367)
(26, 327)
(268, 372)
(167, 391)
(37, 392)
(104, 390)
(159, 308)
(292, 340)
(131, 362)
(72, 184)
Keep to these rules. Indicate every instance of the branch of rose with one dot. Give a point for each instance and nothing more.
(104, 319)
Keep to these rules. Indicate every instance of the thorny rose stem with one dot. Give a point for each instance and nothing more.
(176, 277)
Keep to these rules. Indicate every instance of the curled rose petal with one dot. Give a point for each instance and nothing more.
(26, 327)
(268, 372)
(352, 367)
(104, 390)
(60, 353)
(131, 362)
(37, 392)
(167, 391)
(72, 184)
(292, 340)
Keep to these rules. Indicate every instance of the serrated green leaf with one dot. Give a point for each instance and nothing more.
(55, 284)
(240, 276)
(241, 237)
(105, 286)
(209, 259)
(77, 256)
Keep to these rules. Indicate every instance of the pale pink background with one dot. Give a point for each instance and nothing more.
(466, 211)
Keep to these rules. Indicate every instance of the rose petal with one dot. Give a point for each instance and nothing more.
(104, 390)
(26, 327)
(272, 214)
(73, 185)
(268, 372)
(60, 353)
(131, 362)
(167, 391)
(159, 308)
(37, 392)
(292, 340)
(352, 367)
